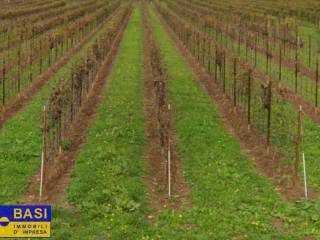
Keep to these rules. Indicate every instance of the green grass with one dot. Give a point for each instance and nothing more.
(310, 30)
(20, 138)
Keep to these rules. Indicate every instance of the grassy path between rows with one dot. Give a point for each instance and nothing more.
(21, 137)
(229, 200)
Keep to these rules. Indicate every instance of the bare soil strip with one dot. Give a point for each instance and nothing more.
(156, 180)
(268, 162)
(85, 117)
(30, 92)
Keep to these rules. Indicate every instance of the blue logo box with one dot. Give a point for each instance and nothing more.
(25, 213)
(25, 221)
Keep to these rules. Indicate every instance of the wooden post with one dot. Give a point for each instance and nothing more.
(298, 149)
(169, 155)
(226, 34)
(198, 46)
(317, 82)
(239, 42)
(8, 45)
(4, 82)
(62, 46)
(235, 82)
(216, 65)
(19, 63)
(269, 113)
(204, 51)
(30, 67)
(40, 53)
(285, 29)
(224, 71)
(72, 95)
(267, 55)
(280, 64)
(309, 51)
(255, 50)
(249, 98)
(209, 59)
(19, 68)
(296, 62)
(215, 28)
(44, 163)
(49, 58)
(194, 45)
(296, 76)
(246, 52)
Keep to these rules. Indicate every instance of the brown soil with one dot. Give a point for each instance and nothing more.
(156, 180)
(307, 238)
(26, 95)
(267, 160)
(55, 190)
(278, 224)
